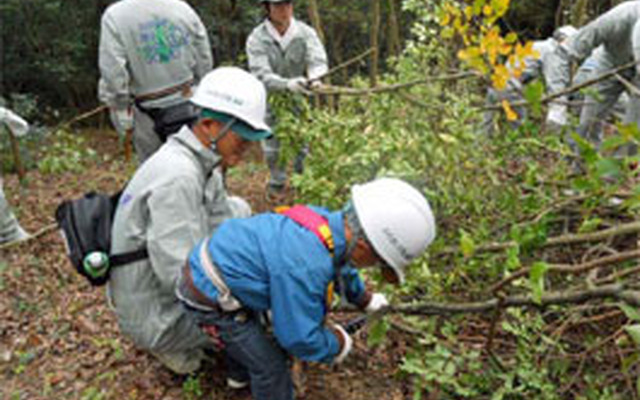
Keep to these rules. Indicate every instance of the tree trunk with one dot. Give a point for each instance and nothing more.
(375, 28)
(314, 16)
(394, 33)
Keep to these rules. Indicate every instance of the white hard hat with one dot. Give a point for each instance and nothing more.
(564, 32)
(237, 93)
(396, 218)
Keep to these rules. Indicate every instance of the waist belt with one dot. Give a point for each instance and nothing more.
(226, 300)
(184, 87)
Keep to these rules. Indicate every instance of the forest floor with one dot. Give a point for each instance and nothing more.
(60, 340)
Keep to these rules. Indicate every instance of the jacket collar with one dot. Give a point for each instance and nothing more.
(289, 35)
(206, 157)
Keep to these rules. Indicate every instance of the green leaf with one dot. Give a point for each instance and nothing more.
(377, 332)
(632, 313)
(634, 332)
(536, 280)
(466, 244)
(608, 168)
(513, 258)
(533, 92)
(590, 225)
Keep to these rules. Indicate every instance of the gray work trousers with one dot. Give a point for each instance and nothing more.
(10, 229)
(278, 171)
(609, 91)
(145, 140)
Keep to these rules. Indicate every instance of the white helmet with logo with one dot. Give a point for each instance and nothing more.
(235, 92)
(396, 218)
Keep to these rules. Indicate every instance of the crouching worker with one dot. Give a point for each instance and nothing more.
(287, 262)
(173, 200)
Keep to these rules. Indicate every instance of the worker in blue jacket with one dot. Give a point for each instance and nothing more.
(287, 264)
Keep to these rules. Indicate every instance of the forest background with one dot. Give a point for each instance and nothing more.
(530, 291)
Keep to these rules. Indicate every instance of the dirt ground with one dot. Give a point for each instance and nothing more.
(59, 340)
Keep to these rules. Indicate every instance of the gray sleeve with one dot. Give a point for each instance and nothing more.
(595, 33)
(204, 58)
(556, 76)
(176, 223)
(316, 55)
(113, 88)
(259, 64)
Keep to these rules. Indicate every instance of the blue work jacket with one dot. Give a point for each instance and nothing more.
(270, 262)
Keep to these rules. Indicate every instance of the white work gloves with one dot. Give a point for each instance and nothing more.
(347, 344)
(17, 125)
(557, 116)
(297, 85)
(377, 302)
(122, 119)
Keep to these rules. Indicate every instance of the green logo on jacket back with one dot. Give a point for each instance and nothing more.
(161, 41)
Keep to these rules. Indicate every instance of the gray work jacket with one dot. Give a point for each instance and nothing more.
(147, 46)
(304, 55)
(174, 200)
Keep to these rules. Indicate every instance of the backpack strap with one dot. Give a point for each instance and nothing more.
(117, 260)
(311, 220)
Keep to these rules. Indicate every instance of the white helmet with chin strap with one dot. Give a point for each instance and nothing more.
(396, 219)
(235, 93)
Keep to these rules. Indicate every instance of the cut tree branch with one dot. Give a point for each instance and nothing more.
(552, 298)
(572, 269)
(619, 230)
(392, 88)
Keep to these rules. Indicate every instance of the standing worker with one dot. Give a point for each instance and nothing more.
(151, 54)
(173, 200)
(544, 65)
(10, 229)
(286, 55)
(618, 32)
(288, 264)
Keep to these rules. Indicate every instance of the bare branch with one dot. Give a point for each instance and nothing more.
(392, 88)
(552, 298)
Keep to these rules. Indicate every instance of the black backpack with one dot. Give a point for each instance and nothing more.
(85, 224)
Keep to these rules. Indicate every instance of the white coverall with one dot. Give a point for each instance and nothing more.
(10, 229)
(618, 31)
(174, 200)
(545, 66)
(276, 59)
(147, 46)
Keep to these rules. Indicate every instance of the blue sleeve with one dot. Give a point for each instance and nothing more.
(297, 307)
(354, 287)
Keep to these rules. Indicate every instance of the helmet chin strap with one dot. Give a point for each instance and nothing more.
(221, 133)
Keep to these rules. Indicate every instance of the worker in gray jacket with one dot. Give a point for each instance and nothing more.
(543, 65)
(618, 32)
(10, 229)
(151, 53)
(173, 200)
(286, 55)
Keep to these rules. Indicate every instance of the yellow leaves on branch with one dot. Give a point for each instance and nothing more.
(486, 49)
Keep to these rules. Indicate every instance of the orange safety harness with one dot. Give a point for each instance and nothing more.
(317, 224)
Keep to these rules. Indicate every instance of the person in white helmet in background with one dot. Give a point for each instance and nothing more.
(173, 200)
(617, 32)
(288, 263)
(10, 229)
(288, 56)
(545, 66)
